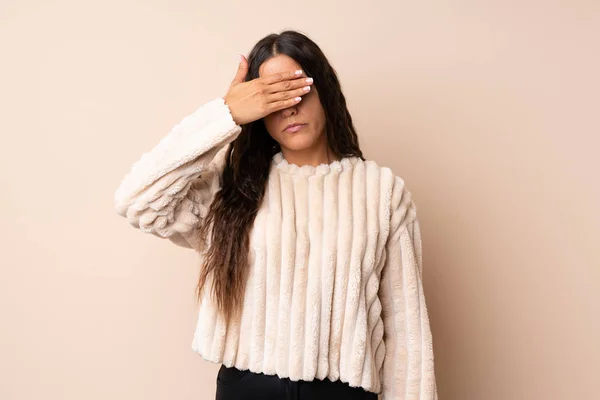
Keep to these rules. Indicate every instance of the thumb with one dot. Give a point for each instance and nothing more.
(240, 75)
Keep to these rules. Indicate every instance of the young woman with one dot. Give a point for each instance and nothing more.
(310, 286)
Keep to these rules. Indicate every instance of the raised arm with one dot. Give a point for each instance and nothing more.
(169, 189)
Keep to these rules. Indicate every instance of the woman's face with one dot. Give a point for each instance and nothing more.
(308, 111)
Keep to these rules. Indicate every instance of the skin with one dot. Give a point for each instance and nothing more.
(309, 145)
(283, 95)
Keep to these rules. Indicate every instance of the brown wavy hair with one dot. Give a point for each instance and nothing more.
(247, 166)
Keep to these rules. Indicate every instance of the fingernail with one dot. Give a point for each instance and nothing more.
(240, 58)
(299, 72)
(306, 88)
(298, 98)
(309, 80)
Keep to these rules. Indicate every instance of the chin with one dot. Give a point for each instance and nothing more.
(298, 143)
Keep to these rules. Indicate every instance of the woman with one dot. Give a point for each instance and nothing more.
(310, 286)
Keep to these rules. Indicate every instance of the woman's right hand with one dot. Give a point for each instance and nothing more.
(255, 99)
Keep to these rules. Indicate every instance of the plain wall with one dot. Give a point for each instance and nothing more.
(487, 109)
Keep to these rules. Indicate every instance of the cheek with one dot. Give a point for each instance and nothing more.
(310, 102)
(314, 110)
(270, 122)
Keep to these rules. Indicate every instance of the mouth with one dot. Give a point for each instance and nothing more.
(294, 127)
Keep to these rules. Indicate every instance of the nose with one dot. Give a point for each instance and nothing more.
(290, 111)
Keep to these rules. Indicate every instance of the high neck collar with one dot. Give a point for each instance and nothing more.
(321, 169)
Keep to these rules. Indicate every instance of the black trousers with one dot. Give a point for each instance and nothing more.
(235, 384)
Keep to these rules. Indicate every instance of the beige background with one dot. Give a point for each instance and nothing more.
(488, 109)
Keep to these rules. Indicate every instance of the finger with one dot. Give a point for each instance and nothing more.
(288, 94)
(281, 104)
(289, 85)
(240, 75)
(281, 76)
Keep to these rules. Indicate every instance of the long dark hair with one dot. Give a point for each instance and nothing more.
(247, 167)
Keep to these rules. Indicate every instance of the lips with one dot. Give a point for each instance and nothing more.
(294, 127)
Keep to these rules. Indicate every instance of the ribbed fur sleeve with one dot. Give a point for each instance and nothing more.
(169, 189)
(408, 367)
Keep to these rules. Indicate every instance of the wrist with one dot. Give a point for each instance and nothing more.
(226, 102)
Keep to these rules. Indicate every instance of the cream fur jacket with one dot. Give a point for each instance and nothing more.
(335, 286)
